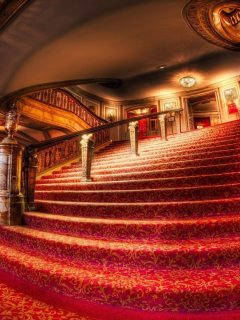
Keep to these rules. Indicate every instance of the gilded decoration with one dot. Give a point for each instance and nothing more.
(217, 21)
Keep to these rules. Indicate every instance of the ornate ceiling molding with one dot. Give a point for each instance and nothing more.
(217, 21)
(8, 9)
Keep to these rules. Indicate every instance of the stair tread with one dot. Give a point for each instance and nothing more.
(37, 261)
(130, 221)
(128, 244)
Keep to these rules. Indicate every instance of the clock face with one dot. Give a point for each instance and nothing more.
(187, 82)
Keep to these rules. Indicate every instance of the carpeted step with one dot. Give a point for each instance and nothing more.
(143, 195)
(150, 162)
(191, 154)
(164, 147)
(75, 177)
(158, 166)
(160, 153)
(177, 229)
(147, 210)
(174, 182)
(166, 254)
(174, 142)
(188, 290)
(156, 159)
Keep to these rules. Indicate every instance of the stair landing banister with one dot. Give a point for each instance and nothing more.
(87, 145)
(68, 147)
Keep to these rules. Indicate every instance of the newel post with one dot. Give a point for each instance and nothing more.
(87, 154)
(163, 126)
(133, 129)
(30, 172)
(178, 122)
(12, 204)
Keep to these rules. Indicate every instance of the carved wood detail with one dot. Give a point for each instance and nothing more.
(60, 99)
(217, 21)
(8, 9)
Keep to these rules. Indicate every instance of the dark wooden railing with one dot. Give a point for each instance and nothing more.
(57, 151)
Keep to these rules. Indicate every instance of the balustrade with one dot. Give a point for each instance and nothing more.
(46, 155)
(60, 99)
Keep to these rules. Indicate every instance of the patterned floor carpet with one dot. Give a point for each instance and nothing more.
(153, 237)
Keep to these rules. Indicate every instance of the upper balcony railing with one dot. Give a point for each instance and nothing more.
(61, 99)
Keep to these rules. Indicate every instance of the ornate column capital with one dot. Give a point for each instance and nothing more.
(133, 126)
(86, 140)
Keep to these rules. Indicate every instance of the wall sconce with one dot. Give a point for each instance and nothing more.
(110, 116)
(187, 82)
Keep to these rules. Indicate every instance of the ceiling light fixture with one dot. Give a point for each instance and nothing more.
(162, 67)
(187, 82)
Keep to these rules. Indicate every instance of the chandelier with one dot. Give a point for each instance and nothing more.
(187, 82)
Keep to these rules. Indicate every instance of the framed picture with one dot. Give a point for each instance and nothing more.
(231, 96)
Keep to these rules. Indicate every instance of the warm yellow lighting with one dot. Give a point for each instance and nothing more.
(187, 82)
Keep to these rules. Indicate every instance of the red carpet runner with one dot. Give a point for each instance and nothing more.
(158, 235)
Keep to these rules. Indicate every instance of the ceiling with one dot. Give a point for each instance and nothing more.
(61, 40)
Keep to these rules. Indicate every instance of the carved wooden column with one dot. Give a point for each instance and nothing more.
(133, 129)
(12, 203)
(178, 122)
(30, 171)
(163, 126)
(87, 153)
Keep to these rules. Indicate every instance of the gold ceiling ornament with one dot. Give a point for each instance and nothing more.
(217, 21)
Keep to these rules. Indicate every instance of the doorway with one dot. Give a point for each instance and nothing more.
(203, 111)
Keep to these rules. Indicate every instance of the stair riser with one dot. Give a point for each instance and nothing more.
(172, 230)
(143, 184)
(170, 210)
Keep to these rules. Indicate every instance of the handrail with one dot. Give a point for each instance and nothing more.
(54, 141)
(54, 152)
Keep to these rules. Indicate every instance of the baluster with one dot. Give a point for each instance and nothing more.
(133, 129)
(163, 126)
(31, 167)
(87, 153)
(178, 122)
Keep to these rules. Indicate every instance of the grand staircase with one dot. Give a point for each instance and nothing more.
(159, 232)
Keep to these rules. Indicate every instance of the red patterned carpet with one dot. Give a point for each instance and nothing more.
(153, 237)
